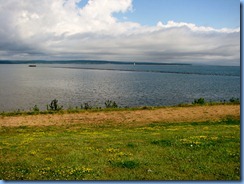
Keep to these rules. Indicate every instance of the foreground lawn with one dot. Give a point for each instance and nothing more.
(154, 151)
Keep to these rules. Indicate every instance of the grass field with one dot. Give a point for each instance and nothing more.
(151, 150)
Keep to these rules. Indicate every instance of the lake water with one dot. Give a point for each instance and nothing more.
(22, 87)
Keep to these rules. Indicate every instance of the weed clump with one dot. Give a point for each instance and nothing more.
(128, 164)
(54, 106)
(199, 101)
(111, 104)
(35, 109)
(162, 142)
(86, 106)
(234, 100)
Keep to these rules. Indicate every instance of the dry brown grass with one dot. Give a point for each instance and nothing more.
(130, 118)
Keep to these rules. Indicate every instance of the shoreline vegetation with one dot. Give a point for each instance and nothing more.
(120, 116)
(109, 105)
(198, 141)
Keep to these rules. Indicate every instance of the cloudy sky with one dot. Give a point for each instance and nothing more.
(189, 31)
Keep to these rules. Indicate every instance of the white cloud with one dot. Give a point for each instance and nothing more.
(193, 27)
(59, 29)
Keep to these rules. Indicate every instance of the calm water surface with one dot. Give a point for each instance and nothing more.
(22, 87)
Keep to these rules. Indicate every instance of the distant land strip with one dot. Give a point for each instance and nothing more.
(148, 71)
(85, 62)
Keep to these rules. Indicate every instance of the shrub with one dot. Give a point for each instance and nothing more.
(111, 104)
(86, 106)
(234, 100)
(53, 106)
(35, 109)
(199, 101)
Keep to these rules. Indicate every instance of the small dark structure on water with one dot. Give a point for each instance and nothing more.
(32, 65)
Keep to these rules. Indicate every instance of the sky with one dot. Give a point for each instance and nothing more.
(166, 31)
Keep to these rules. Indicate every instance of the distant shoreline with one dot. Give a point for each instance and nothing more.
(85, 62)
(95, 62)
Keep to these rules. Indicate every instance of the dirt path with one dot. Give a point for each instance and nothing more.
(169, 114)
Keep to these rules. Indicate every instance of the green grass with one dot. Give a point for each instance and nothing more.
(159, 151)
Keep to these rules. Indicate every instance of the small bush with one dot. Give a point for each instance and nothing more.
(35, 109)
(234, 100)
(146, 108)
(111, 104)
(53, 106)
(86, 106)
(199, 101)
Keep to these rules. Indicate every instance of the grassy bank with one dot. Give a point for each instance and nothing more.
(155, 150)
(55, 108)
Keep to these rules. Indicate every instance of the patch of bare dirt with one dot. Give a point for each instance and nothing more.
(131, 118)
